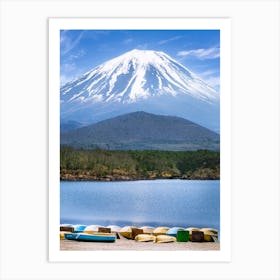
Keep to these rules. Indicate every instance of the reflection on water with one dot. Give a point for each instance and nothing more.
(152, 202)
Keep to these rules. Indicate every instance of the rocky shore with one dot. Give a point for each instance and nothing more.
(117, 177)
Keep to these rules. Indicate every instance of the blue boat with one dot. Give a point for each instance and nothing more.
(91, 237)
(79, 228)
(173, 231)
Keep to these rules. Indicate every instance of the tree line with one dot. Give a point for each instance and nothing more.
(110, 165)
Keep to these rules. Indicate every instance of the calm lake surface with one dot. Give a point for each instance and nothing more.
(150, 202)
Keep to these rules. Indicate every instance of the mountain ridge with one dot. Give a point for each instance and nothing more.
(142, 131)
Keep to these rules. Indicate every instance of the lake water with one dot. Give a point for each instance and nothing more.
(150, 202)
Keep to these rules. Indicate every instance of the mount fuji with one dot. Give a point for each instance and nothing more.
(140, 80)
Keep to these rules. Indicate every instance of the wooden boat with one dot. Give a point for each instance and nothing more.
(145, 238)
(104, 229)
(130, 232)
(160, 230)
(66, 225)
(165, 238)
(197, 236)
(190, 230)
(173, 231)
(135, 232)
(100, 237)
(67, 228)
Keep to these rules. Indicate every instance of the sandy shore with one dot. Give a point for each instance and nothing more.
(126, 244)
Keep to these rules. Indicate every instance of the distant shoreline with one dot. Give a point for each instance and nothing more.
(71, 178)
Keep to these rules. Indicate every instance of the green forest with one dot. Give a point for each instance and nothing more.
(109, 165)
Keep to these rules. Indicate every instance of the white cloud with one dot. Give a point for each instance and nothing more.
(213, 81)
(67, 43)
(211, 77)
(202, 54)
(169, 40)
(128, 41)
(77, 55)
(67, 67)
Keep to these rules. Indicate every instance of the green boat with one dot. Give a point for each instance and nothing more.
(99, 237)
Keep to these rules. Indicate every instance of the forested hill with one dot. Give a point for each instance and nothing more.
(107, 165)
(143, 131)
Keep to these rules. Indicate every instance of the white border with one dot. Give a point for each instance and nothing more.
(223, 24)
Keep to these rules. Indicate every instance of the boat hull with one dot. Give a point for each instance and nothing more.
(165, 238)
(90, 237)
(145, 237)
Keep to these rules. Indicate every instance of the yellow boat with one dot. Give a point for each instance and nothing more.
(147, 230)
(208, 235)
(126, 232)
(165, 238)
(62, 234)
(210, 229)
(145, 238)
(160, 230)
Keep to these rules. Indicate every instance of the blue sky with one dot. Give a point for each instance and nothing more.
(82, 50)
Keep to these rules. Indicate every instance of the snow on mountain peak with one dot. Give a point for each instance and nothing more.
(136, 75)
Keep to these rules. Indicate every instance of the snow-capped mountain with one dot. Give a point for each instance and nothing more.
(140, 80)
